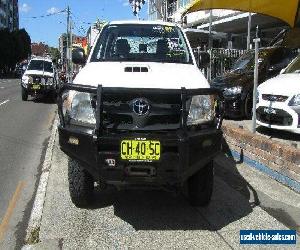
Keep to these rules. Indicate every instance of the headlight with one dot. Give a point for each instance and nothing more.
(232, 91)
(49, 81)
(295, 101)
(77, 108)
(201, 110)
(25, 80)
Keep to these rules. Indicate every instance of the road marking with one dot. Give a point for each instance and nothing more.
(4, 102)
(11, 206)
(2, 87)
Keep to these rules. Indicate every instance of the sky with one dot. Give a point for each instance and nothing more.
(48, 29)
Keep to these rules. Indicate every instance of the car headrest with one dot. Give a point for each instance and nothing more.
(122, 47)
(162, 46)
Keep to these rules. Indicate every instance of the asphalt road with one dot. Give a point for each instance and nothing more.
(24, 131)
(243, 198)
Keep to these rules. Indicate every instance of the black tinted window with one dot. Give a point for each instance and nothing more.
(277, 56)
(281, 56)
(40, 65)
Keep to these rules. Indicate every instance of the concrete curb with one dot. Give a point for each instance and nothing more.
(38, 205)
(285, 180)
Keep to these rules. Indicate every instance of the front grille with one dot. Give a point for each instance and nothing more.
(274, 98)
(37, 79)
(118, 114)
(274, 116)
(40, 79)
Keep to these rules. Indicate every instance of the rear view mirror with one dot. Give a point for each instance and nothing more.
(78, 56)
(202, 59)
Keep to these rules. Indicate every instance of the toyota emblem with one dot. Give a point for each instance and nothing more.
(141, 106)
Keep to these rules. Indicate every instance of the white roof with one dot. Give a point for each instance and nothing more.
(48, 59)
(156, 22)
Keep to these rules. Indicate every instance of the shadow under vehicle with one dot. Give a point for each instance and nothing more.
(237, 85)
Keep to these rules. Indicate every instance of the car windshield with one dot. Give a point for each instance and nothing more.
(246, 62)
(142, 42)
(294, 67)
(40, 65)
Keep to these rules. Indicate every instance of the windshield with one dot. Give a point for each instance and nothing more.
(40, 65)
(246, 62)
(294, 67)
(142, 42)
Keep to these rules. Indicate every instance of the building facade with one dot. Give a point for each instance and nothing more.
(62, 45)
(9, 15)
(229, 28)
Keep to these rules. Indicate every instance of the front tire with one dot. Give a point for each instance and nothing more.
(81, 184)
(24, 94)
(200, 186)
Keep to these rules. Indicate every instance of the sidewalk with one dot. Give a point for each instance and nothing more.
(158, 220)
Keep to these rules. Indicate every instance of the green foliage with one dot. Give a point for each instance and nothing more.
(55, 54)
(14, 47)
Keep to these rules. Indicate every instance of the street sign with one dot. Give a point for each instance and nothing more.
(136, 5)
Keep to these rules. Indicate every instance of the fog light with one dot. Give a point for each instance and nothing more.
(206, 143)
(73, 141)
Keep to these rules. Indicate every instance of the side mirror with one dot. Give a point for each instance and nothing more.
(78, 56)
(202, 59)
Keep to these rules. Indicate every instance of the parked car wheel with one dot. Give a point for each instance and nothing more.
(200, 186)
(24, 94)
(81, 184)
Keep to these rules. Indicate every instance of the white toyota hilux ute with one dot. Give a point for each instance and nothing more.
(279, 100)
(141, 114)
(39, 78)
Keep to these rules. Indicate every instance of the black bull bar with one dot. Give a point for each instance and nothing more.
(100, 91)
(89, 146)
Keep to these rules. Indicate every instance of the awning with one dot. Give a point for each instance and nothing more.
(285, 10)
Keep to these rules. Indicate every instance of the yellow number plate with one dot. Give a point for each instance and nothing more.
(142, 150)
(36, 86)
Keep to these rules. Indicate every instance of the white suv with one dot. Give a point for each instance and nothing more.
(39, 78)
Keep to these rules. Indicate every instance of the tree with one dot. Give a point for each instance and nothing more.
(55, 54)
(14, 47)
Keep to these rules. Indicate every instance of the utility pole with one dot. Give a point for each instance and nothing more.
(210, 45)
(249, 31)
(69, 72)
(166, 10)
(256, 41)
(136, 6)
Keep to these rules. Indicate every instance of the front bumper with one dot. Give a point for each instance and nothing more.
(279, 116)
(184, 151)
(182, 155)
(43, 89)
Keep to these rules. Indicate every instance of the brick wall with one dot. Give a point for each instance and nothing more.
(270, 154)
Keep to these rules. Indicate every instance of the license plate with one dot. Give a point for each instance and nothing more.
(35, 87)
(270, 111)
(140, 150)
